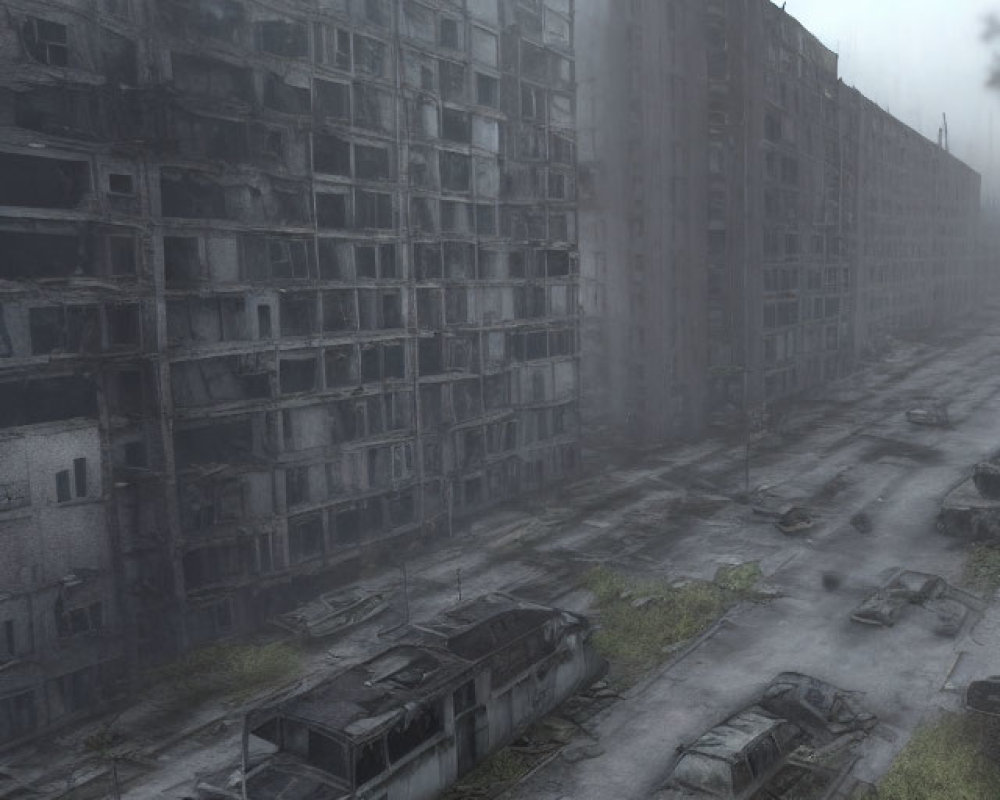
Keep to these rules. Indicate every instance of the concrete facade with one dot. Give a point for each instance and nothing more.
(290, 283)
(752, 226)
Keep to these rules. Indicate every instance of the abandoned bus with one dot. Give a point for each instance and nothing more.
(407, 723)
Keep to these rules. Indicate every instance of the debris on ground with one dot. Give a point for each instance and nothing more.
(332, 613)
(907, 590)
(861, 522)
(794, 520)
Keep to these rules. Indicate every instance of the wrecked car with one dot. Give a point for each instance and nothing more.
(794, 744)
(907, 589)
(332, 613)
(983, 696)
(411, 720)
(794, 520)
(932, 417)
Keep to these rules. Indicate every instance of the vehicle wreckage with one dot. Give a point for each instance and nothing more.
(907, 590)
(972, 509)
(797, 741)
(411, 720)
(332, 613)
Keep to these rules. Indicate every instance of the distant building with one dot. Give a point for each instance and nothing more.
(750, 225)
(277, 287)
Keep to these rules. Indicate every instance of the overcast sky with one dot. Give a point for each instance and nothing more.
(919, 58)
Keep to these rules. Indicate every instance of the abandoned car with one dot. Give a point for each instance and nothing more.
(332, 613)
(408, 722)
(906, 590)
(983, 696)
(794, 744)
(972, 509)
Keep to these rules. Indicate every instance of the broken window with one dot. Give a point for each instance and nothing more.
(335, 260)
(331, 210)
(427, 261)
(71, 329)
(430, 356)
(487, 90)
(369, 56)
(372, 108)
(429, 309)
(334, 48)
(365, 261)
(387, 265)
(280, 96)
(333, 100)
(282, 38)
(298, 375)
(452, 80)
(341, 366)
(372, 209)
(46, 42)
(212, 77)
(121, 254)
(190, 195)
(371, 163)
(42, 182)
(339, 312)
(455, 171)
(455, 126)
(79, 620)
(412, 731)
(391, 308)
(296, 486)
(331, 154)
(123, 325)
(298, 314)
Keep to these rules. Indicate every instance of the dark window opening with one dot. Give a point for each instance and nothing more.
(365, 261)
(371, 163)
(264, 322)
(282, 38)
(339, 312)
(387, 261)
(487, 90)
(408, 734)
(305, 538)
(331, 210)
(120, 184)
(62, 486)
(331, 154)
(333, 100)
(340, 367)
(298, 375)
(42, 182)
(372, 210)
(46, 42)
(455, 126)
(122, 253)
(123, 325)
(449, 33)
(80, 476)
(370, 761)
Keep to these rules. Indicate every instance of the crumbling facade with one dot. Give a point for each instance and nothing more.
(751, 226)
(278, 284)
(642, 218)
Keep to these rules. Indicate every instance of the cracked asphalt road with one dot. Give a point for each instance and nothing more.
(673, 514)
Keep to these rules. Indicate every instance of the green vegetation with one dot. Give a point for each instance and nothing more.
(642, 619)
(230, 671)
(493, 775)
(953, 758)
(982, 569)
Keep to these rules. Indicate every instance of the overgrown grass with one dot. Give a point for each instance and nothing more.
(953, 758)
(641, 619)
(489, 778)
(982, 569)
(229, 671)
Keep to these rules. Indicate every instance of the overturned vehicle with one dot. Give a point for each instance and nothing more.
(410, 721)
(796, 743)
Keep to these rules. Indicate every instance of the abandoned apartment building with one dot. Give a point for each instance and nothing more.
(785, 222)
(278, 282)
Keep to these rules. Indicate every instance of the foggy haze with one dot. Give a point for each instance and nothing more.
(919, 58)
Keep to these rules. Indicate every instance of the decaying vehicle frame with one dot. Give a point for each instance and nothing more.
(795, 742)
(418, 715)
(906, 589)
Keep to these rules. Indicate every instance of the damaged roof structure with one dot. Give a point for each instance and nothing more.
(280, 284)
(422, 712)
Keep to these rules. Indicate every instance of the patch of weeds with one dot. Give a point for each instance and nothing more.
(230, 671)
(642, 619)
(952, 758)
(495, 773)
(982, 569)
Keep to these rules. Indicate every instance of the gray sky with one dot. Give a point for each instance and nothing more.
(918, 58)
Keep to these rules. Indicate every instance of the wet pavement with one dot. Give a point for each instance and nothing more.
(677, 513)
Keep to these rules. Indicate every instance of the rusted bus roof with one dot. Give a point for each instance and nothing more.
(373, 694)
